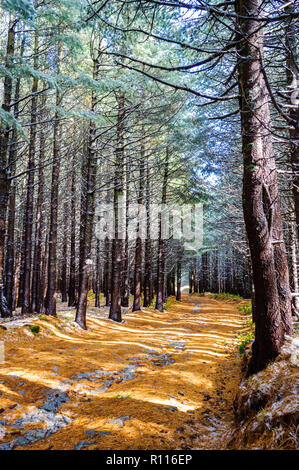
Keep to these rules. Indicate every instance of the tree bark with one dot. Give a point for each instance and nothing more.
(138, 249)
(22, 264)
(28, 220)
(148, 282)
(72, 272)
(161, 244)
(50, 302)
(179, 277)
(98, 275)
(91, 165)
(260, 195)
(294, 268)
(65, 236)
(10, 292)
(107, 286)
(37, 286)
(117, 244)
(292, 84)
(125, 288)
(5, 311)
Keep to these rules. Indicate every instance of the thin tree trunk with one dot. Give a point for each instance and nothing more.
(72, 274)
(161, 245)
(22, 264)
(125, 272)
(98, 275)
(50, 302)
(292, 84)
(148, 282)
(190, 279)
(83, 209)
(28, 219)
(91, 165)
(39, 224)
(117, 245)
(65, 237)
(138, 249)
(107, 272)
(179, 276)
(10, 247)
(5, 311)
(294, 269)
(44, 272)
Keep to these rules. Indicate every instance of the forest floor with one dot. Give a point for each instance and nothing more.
(155, 381)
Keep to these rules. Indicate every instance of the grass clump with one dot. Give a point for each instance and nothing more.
(244, 340)
(91, 295)
(248, 324)
(35, 329)
(60, 325)
(119, 395)
(226, 295)
(246, 309)
(168, 304)
(43, 318)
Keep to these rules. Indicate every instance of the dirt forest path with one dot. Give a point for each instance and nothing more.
(156, 381)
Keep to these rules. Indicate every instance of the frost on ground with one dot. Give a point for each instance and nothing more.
(267, 405)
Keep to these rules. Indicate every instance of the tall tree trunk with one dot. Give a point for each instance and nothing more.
(44, 271)
(179, 276)
(91, 166)
(28, 220)
(107, 286)
(5, 311)
(190, 278)
(65, 236)
(173, 272)
(16, 273)
(72, 274)
(294, 269)
(260, 195)
(83, 209)
(148, 282)
(10, 247)
(22, 264)
(117, 245)
(125, 288)
(98, 275)
(292, 83)
(50, 302)
(138, 248)
(161, 244)
(37, 287)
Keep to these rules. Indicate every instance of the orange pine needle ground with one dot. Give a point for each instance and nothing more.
(186, 404)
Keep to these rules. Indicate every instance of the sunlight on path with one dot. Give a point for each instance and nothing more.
(156, 381)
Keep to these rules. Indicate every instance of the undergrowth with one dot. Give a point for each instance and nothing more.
(43, 318)
(226, 295)
(245, 339)
(35, 329)
(246, 309)
(166, 305)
